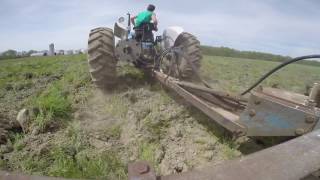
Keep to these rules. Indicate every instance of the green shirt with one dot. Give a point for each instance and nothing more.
(143, 17)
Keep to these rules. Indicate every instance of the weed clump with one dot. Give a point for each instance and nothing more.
(114, 132)
(74, 158)
(68, 155)
(52, 105)
(83, 165)
(117, 106)
(147, 152)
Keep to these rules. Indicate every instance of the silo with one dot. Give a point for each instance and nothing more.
(51, 49)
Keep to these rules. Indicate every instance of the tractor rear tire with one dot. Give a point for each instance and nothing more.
(191, 49)
(101, 59)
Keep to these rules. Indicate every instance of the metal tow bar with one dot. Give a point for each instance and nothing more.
(225, 118)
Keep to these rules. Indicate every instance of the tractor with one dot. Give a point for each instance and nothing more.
(165, 53)
(174, 59)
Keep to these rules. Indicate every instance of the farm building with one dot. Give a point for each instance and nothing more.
(69, 52)
(38, 54)
(60, 52)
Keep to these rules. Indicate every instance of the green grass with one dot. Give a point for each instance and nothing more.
(236, 74)
(52, 85)
(130, 71)
(56, 86)
(147, 152)
(117, 105)
(113, 132)
(104, 166)
(18, 142)
(70, 155)
(65, 161)
(74, 158)
(156, 124)
(13, 71)
(52, 104)
(37, 73)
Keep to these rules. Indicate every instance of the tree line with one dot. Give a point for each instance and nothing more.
(229, 52)
(206, 50)
(13, 54)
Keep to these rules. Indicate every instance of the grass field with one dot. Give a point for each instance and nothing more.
(235, 74)
(49, 84)
(56, 87)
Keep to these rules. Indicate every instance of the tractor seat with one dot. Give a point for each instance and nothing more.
(144, 32)
(145, 27)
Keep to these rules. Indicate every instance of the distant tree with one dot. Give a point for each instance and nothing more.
(10, 53)
(229, 52)
(31, 52)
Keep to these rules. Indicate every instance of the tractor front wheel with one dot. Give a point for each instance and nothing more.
(101, 59)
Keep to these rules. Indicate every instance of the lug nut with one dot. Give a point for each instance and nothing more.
(252, 112)
(257, 102)
(142, 168)
(299, 131)
(310, 119)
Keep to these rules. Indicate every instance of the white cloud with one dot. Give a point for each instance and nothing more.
(264, 30)
(245, 24)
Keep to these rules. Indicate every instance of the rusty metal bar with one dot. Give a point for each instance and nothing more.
(293, 160)
(211, 91)
(225, 118)
(216, 100)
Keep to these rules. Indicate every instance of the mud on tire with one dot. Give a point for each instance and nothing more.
(101, 59)
(191, 49)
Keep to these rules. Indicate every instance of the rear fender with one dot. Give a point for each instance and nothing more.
(170, 35)
(120, 30)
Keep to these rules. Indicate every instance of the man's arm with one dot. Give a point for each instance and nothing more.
(155, 21)
(132, 20)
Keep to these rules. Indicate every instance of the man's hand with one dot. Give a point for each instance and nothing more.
(155, 21)
(132, 20)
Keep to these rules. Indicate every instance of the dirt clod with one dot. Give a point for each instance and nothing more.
(23, 119)
(6, 148)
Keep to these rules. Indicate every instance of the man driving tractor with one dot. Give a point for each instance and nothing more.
(145, 17)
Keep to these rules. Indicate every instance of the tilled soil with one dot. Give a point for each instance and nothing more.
(179, 141)
(138, 120)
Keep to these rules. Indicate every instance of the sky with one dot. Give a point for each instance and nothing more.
(286, 27)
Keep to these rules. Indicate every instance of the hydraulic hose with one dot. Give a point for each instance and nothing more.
(277, 68)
